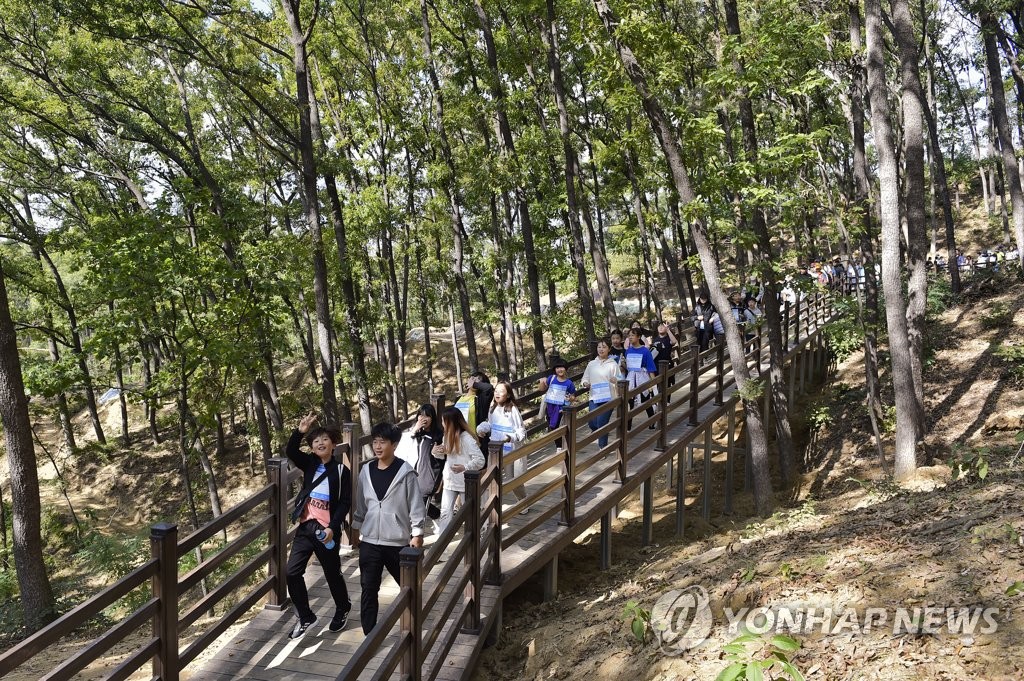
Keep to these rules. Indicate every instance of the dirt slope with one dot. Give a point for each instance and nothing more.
(845, 539)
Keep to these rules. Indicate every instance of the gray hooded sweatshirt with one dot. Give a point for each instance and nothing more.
(396, 518)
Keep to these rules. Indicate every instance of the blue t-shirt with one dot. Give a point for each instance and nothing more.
(640, 359)
(557, 390)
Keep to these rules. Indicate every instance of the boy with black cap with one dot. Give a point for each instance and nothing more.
(323, 504)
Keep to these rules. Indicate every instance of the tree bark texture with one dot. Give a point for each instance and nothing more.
(895, 308)
(1010, 171)
(37, 602)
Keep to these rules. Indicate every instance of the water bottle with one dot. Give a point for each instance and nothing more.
(321, 533)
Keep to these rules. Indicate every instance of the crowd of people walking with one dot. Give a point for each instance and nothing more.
(416, 480)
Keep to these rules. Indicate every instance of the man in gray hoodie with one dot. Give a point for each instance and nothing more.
(389, 516)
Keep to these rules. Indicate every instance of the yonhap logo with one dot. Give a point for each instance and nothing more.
(682, 619)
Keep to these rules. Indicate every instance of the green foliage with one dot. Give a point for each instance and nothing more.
(844, 333)
(753, 657)
(996, 316)
(888, 422)
(971, 464)
(940, 296)
(819, 416)
(639, 621)
(1011, 356)
(753, 390)
(1015, 589)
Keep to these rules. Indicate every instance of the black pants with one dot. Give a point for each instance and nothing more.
(373, 558)
(704, 337)
(305, 545)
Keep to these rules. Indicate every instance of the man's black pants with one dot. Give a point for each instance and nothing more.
(373, 559)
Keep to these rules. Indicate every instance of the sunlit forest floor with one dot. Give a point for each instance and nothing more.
(845, 537)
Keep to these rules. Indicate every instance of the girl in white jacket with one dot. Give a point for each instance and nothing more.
(461, 452)
(506, 427)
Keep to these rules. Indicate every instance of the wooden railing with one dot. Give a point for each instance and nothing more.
(438, 599)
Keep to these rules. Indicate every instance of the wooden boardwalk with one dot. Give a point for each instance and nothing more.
(530, 543)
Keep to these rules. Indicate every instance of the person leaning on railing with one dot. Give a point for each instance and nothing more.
(323, 504)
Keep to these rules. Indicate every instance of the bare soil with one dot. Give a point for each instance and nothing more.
(845, 537)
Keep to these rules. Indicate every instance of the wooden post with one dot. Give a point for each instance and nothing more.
(606, 540)
(729, 461)
(277, 472)
(694, 383)
(792, 375)
(748, 458)
(706, 492)
(572, 412)
(663, 366)
(680, 495)
(551, 579)
(473, 554)
(411, 565)
(720, 375)
(785, 327)
(350, 436)
(647, 492)
(163, 546)
(437, 401)
(493, 576)
(803, 367)
(796, 321)
(623, 430)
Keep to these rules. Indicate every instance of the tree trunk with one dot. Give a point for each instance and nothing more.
(895, 309)
(778, 385)
(867, 299)
(672, 150)
(312, 204)
(497, 92)
(549, 34)
(913, 101)
(941, 182)
(260, 414)
(37, 603)
(989, 26)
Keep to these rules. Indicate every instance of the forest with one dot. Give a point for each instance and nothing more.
(200, 197)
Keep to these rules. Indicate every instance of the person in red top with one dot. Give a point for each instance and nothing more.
(329, 496)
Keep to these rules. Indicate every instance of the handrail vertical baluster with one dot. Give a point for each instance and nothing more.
(623, 452)
(663, 367)
(163, 543)
(694, 384)
(473, 553)
(493, 576)
(411, 566)
(572, 412)
(350, 436)
(277, 471)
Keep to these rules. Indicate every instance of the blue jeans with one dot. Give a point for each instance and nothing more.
(599, 422)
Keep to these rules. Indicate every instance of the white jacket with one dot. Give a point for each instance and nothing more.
(469, 456)
(603, 371)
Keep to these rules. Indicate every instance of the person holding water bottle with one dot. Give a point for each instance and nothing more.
(602, 377)
(321, 508)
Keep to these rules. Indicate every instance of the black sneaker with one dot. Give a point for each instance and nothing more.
(300, 627)
(340, 619)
